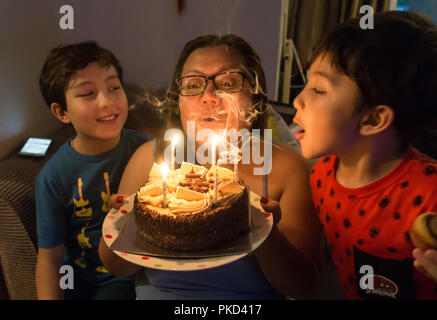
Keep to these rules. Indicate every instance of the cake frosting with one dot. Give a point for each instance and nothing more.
(192, 217)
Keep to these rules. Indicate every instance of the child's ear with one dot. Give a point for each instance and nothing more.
(59, 112)
(377, 120)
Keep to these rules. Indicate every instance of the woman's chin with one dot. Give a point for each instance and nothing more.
(215, 126)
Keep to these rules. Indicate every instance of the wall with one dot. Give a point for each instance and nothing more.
(146, 36)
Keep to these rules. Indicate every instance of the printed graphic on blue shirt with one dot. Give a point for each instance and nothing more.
(72, 194)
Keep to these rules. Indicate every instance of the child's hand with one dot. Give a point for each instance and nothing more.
(426, 262)
(273, 207)
(117, 200)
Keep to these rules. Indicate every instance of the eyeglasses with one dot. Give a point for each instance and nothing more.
(229, 82)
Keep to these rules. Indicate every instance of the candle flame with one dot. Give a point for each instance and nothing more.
(175, 140)
(215, 140)
(164, 170)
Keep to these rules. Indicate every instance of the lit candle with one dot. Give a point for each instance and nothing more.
(164, 172)
(265, 185)
(173, 151)
(215, 185)
(214, 142)
(234, 156)
(250, 208)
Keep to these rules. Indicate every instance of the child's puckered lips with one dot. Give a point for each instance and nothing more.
(300, 133)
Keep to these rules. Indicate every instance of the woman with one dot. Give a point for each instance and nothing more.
(287, 263)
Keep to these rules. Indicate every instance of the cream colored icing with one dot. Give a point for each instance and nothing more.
(182, 200)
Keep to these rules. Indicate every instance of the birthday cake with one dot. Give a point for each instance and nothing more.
(195, 209)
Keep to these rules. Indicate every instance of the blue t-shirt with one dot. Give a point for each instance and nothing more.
(72, 192)
(239, 280)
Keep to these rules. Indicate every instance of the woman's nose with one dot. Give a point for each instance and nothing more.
(209, 96)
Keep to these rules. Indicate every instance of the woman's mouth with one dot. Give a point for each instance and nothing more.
(211, 122)
(209, 119)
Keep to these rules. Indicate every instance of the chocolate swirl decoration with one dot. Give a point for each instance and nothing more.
(197, 182)
(424, 231)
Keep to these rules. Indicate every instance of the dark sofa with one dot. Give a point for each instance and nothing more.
(18, 241)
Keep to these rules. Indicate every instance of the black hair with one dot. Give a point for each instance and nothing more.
(64, 61)
(394, 64)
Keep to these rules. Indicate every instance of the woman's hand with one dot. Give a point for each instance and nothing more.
(273, 207)
(290, 258)
(117, 200)
(426, 262)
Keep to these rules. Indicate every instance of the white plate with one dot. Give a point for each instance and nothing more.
(262, 223)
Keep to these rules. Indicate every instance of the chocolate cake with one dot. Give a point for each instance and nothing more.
(192, 217)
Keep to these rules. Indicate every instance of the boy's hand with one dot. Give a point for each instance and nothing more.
(426, 262)
(273, 207)
(117, 200)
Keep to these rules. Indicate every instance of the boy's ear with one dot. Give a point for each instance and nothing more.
(59, 112)
(377, 120)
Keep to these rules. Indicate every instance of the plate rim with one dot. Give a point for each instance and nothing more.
(180, 264)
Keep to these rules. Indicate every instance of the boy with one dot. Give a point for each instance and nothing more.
(370, 95)
(82, 85)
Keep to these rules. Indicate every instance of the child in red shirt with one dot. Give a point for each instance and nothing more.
(371, 95)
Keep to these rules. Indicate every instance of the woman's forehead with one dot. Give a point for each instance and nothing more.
(210, 60)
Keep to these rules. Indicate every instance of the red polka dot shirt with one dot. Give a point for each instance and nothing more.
(367, 228)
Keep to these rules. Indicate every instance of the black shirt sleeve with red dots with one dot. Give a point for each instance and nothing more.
(369, 227)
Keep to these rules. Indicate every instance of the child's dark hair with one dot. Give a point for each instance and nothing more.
(64, 61)
(394, 64)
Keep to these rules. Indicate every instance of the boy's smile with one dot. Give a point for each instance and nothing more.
(96, 106)
(325, 111)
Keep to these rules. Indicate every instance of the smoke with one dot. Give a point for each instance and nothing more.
(245, 111)
(146, 98)
(231, 109)
(230, 19)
